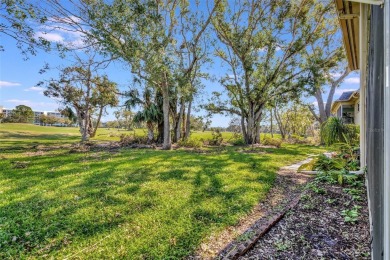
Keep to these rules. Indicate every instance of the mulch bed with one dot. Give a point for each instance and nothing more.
(287, 187)
(316, 229)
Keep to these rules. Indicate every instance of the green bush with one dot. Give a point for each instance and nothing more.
(216, 138)
(129, 139)
(323, 163)
(272, 141)
(334, 131)
(237, 139)
(351, 133)
(191, 143)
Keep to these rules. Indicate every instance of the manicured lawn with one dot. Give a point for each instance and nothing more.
(130, 203)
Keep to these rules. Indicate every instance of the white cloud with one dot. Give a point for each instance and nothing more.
(58, 30)
(17, 101)
(340, 91)
(352, 80)
(34, 89)
(33, 105)
(8, 84)
(336, 74)
(52, 37)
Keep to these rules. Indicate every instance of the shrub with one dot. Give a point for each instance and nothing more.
(332, 130)
(126, 140)
(323, 163)
(191, 142)
(216, 138)
(272, 141)
(237, 139)
(335, 131)
(351, 133)
(296, 139)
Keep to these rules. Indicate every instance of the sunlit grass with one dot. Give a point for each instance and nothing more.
(128, 204)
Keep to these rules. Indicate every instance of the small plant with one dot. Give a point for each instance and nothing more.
(313, 186)
(237, 139)
(272, 141)
(325, 163)
(245, 236)
(326, 177)
(191, 142)
(352, 191)
(282, 246)
(351, 215)
(216, 138)
(330, 201)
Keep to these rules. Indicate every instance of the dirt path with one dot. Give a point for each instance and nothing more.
(286, 189)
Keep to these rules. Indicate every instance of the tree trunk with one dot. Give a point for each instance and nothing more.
(280, 124)
(272, 125)
(188, 121)
(243, 129)
(149, 125)
(321, 106)
(160, 130)
(178, 123)
(98, 122)
(167, 131)
(84, 125)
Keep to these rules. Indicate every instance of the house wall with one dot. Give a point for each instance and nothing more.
(375, 129)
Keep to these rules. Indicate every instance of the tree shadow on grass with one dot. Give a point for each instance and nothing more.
(95, 197)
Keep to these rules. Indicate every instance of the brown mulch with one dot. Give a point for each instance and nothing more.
(287, 187)
(316, 229)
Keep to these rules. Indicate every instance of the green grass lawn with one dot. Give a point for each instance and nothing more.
(130, 203)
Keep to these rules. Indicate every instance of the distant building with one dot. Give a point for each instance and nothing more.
(347, 107)
(37, 115)
(5, 111)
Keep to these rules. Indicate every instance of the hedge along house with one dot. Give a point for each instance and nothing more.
(365, 25)
(347, 107)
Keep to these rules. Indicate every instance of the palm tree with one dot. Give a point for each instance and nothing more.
(150, 113)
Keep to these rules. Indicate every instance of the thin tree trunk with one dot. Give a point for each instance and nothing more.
(280, 124)
(188, 121)
(149, 125)
(98, 122)
(243, 129)
(177, 133)
(167, 131)
(272, 125)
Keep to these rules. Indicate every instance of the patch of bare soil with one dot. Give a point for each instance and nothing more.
(287, 186)
(37, 153)
(317, 229)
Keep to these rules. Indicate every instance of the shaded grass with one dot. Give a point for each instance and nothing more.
(131, 204)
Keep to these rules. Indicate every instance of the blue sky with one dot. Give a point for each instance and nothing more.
(18, 78)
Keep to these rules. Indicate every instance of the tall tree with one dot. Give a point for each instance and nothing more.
(156, 40)
(22, 114)
(317, 88)
(262, 42)
(79, 87)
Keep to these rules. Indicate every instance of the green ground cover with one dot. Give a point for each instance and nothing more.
(128, 203)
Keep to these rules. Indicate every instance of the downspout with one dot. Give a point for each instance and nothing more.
(386, 132)
(363, 81)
